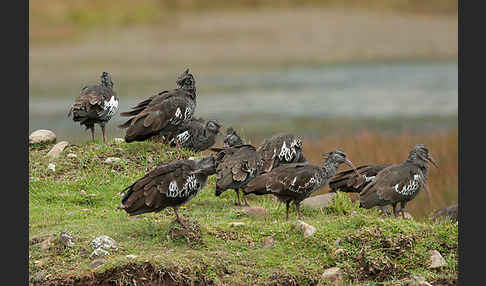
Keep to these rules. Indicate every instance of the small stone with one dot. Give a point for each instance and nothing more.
(71, 155)
(131, 256)
(104, 242)
(256, 211)
(268, 242)
(333, 275)
(47, 243)
(66, 239)
(417, 280)
(34, 179)
(97, 262)
(112, 160)
(42, 136)
(307, 229)
(51, 167)
(339, 251)
(82, 192)
(98, 252)
(236, 223)
(118, 140)
(320, 201)
(39, 277)
(436, 260)
(57, 149)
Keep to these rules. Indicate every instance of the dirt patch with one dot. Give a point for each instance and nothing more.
(191, 233)
(134, 274)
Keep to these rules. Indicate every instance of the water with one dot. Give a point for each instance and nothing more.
(401, 89)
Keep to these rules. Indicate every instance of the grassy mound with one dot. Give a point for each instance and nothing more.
(81, 196)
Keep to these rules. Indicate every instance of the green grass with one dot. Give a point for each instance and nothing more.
(373, 249)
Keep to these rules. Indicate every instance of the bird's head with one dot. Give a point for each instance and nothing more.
(232, 139)
(186, 81)
(338, 157)
(205, 166)
(420, 154)
(106, 80)
(213, 126)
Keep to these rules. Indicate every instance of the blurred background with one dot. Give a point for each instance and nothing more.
(374, 77)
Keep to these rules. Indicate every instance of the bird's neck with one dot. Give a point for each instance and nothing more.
(330, 168)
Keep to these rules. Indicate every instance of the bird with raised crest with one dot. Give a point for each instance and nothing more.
(196, 135)
(164, 113)
(399, 183)
(96, 104)
(295, 182)
(280, 149)
(168, 185)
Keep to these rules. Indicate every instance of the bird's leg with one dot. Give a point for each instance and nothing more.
(297, 206)
(246, 201)
(287, 205)
(402, 208)
(238, 202)
(384, 210)
(394, 209)
(92, 132)
(178, 219)
(103, 131)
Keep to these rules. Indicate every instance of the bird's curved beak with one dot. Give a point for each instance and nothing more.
(350, 164)
(432, 161)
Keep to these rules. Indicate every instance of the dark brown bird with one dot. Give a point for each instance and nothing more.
(280, 149)
(168, 185)
(164, 113)
(96, 104)
(236, 166)
(297, 181)
(196, 135)
(232, 138)
(398, 183)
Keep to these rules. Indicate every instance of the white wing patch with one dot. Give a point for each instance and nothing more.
(411, 187)
(286, 153)
(111, 107)
(191, 188)
(183, 137)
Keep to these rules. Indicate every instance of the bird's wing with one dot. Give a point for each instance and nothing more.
(392, 180)
(349, 181)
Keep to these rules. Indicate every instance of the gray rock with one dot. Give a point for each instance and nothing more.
(450, 212)
(306, 229)
(42, 136)
(66, 239)
(333, 275)
(417, 280)
(57, 149)
(112, 160)
(131, 256)
(40, 276)
(255, 211)
(97, 262)
(98, 252)
(320, 201)
(236, 224)
(71, 155)
(51, 167)
(104, 242)
(436, 260)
